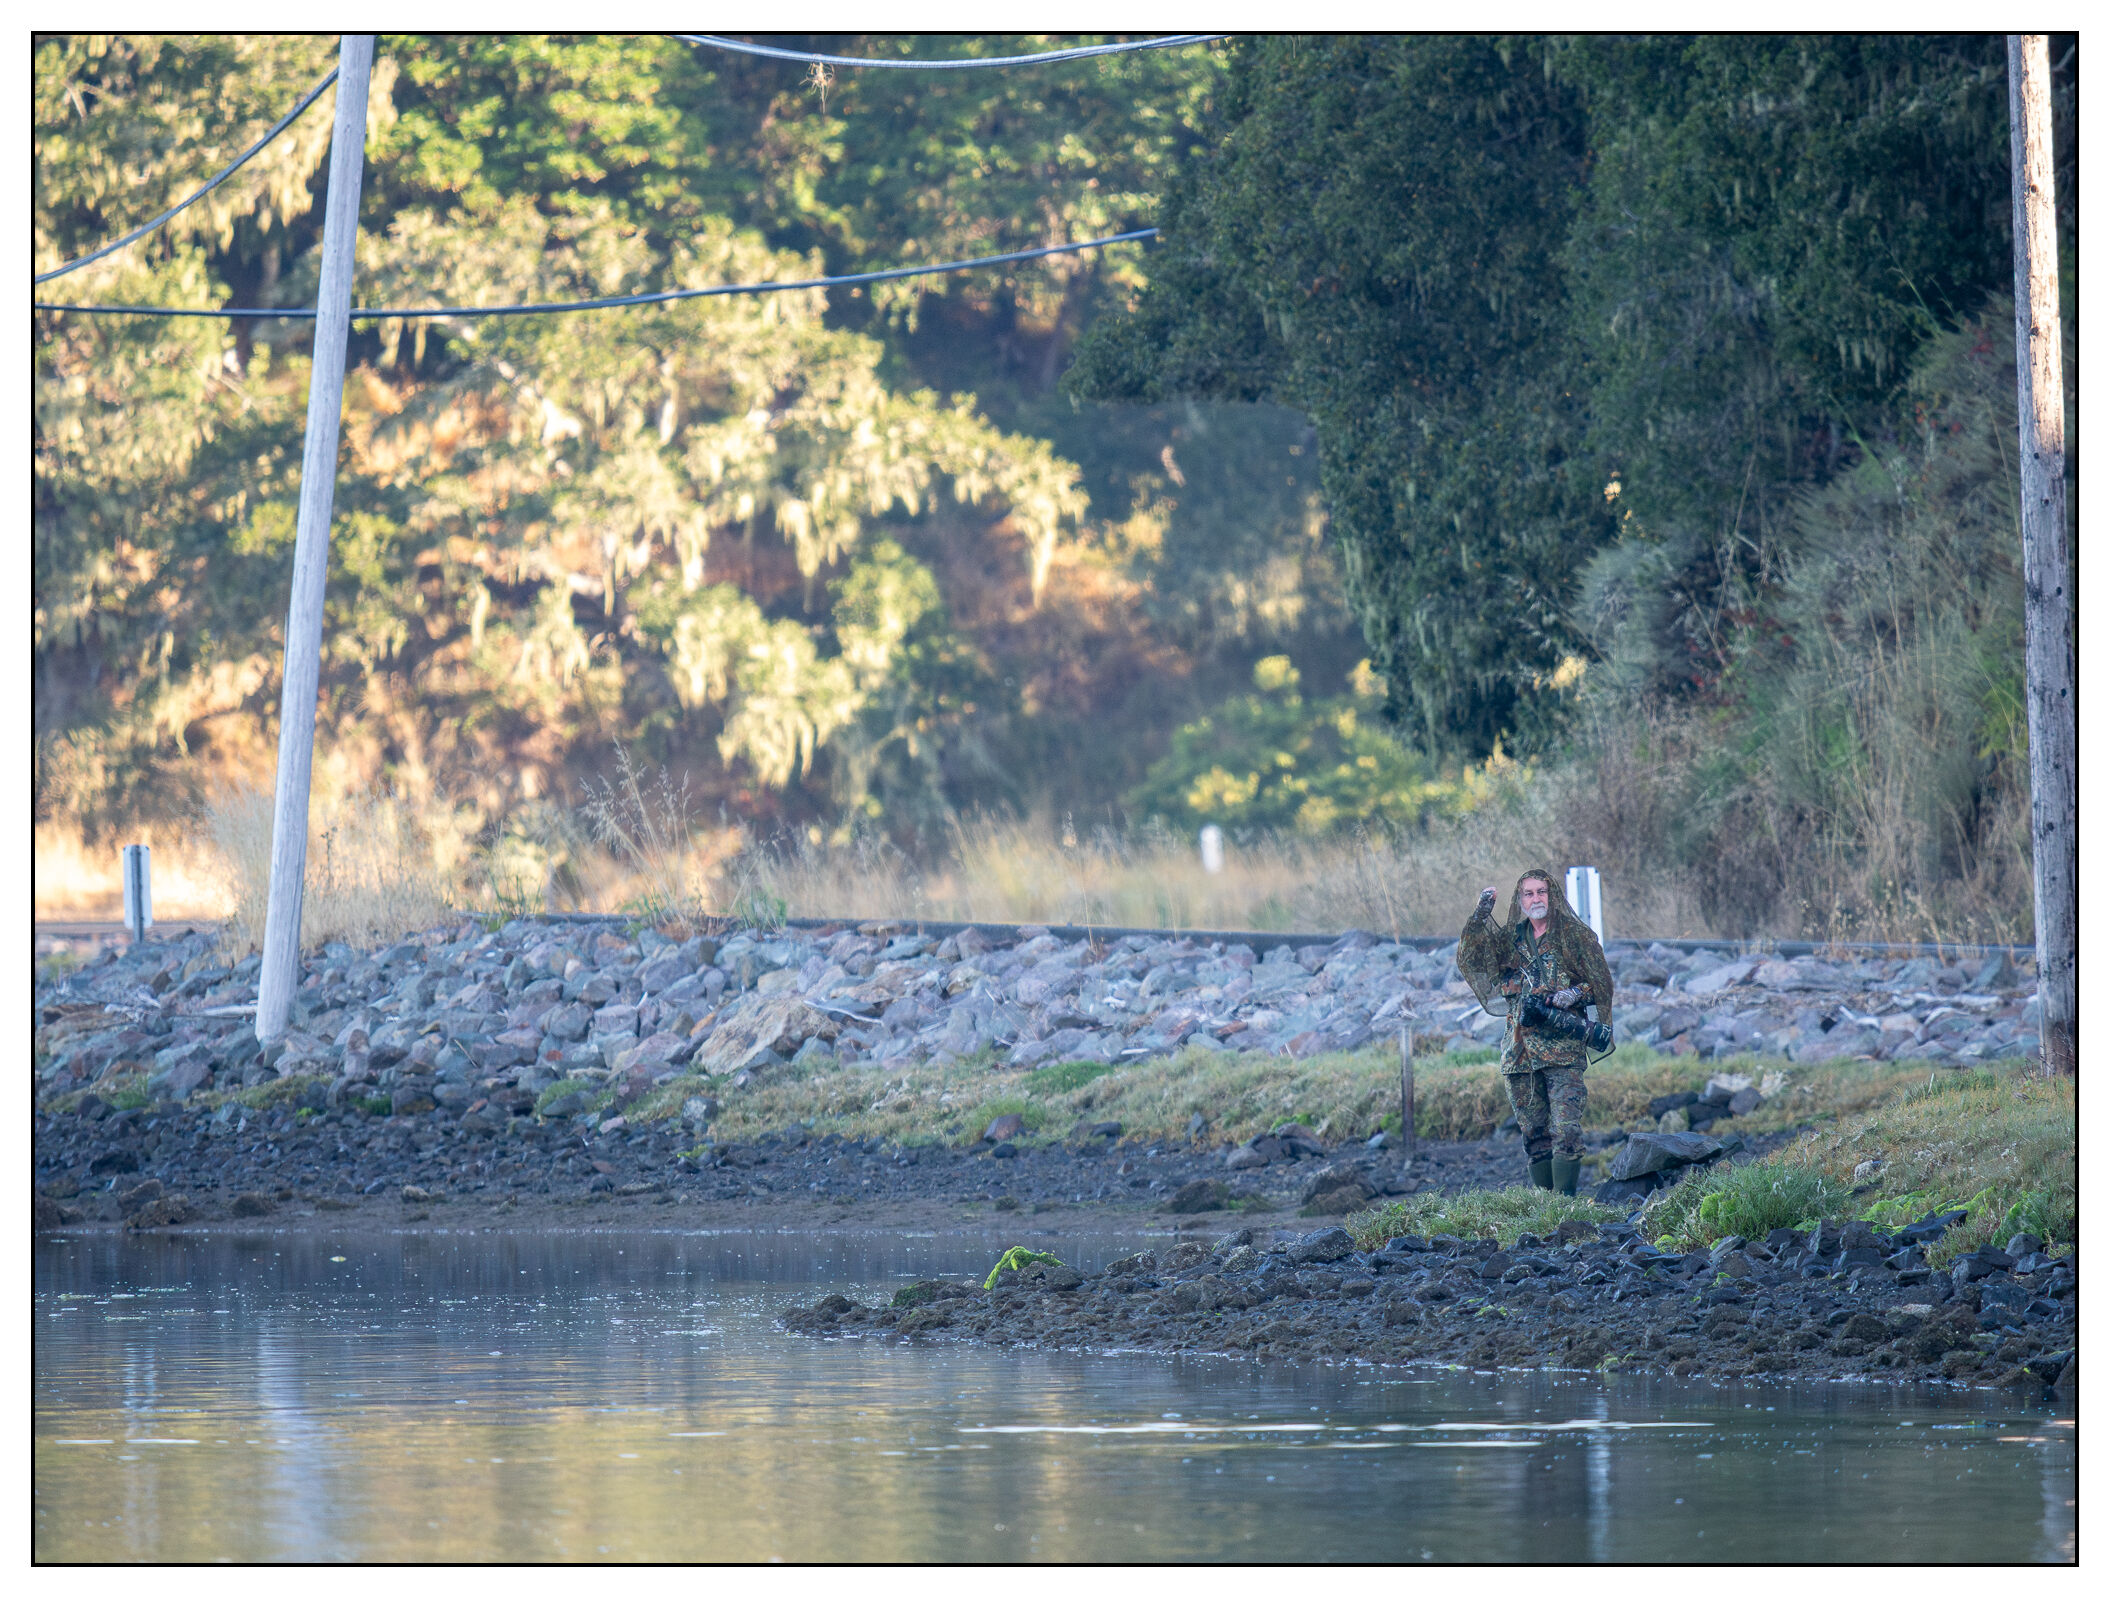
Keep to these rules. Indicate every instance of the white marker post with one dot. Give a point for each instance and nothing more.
(139, 890)
(1586, 897)
(1212, 841)
(311, 545)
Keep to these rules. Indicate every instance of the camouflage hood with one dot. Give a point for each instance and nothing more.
(1488, 955)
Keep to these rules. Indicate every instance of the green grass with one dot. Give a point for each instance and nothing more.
(1340, 1096)
(1745, 1201)
(1065, 1078)
(1501, 1213)
(2000, 1143)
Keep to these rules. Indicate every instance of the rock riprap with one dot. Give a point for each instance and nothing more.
(503, 1019)
(1792, 1304)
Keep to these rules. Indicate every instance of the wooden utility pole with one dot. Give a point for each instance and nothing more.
(311, 547)
(1407, 1139)
(2047, 568)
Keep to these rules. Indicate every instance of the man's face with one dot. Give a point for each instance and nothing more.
(1532, 895)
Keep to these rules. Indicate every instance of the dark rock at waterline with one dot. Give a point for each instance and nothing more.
(171, 1209)
(251, 1203)
(1322, 1247)
(1203, 1193)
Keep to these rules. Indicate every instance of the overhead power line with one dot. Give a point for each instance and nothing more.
(227, 172)
(615, 301)
(1170, 41)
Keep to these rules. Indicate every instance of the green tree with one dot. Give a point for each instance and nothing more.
(1372, 236)
(1774, 225)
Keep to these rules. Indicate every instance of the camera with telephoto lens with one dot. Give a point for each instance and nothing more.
(1593, 1035)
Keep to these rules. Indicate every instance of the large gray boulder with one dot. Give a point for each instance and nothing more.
(1322, 1247)
(1646, 1153)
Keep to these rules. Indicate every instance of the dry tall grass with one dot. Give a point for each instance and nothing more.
(634, 847)
(376, 868)
(1421, 882)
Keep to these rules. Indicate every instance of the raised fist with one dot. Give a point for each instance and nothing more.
(1487, 899)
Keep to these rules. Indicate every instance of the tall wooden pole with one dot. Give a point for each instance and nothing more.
(311, 547)
(2047, 592)
(1407, 1140)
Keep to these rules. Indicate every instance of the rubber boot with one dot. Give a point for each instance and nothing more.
(1564, 1174)
(1542, 1172)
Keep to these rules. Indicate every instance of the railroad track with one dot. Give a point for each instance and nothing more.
(48, 933)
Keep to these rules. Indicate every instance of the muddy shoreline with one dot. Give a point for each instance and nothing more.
(1590, 1300)
(178, 1166)
(1253, 1274)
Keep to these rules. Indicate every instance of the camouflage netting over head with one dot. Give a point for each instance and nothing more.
(1488, 955)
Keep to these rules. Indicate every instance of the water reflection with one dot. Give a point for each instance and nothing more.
(498, 1397)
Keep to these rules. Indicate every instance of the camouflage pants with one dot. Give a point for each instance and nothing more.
(1549, 1106)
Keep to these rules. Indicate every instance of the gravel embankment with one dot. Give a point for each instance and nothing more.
(461, 1015)
(1849, 1302)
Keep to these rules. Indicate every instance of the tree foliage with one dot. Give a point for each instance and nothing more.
(1638, 375)
(1373, 238)
(1580, 323)
(550, 531)
(1271, 760)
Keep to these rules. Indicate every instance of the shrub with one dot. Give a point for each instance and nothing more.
(1271, 760)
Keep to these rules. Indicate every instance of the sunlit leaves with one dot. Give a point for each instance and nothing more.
(128, 125)
(1271, 759)
(885, 595)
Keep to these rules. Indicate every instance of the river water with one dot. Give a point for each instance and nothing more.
(595, 1397)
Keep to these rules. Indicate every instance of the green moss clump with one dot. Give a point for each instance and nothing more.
(1017, 1259)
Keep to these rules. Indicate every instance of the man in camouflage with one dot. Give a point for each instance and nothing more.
(1543, 949)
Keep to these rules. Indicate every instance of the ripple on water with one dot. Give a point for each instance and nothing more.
(590, 1398)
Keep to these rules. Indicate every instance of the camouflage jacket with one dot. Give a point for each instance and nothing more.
(1532, 1048)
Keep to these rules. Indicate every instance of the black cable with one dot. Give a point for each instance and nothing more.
(1168, 42)
(142, 231)
(547, 309)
